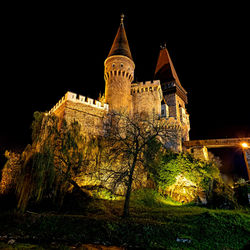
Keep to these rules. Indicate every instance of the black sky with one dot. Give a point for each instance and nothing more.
(49, 49)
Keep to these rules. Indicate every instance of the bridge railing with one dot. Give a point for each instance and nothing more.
(210, 143)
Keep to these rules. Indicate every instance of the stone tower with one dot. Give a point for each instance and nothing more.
(119, 73)
(175, 96)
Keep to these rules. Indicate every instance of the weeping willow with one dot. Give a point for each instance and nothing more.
(51, 163)
(37, 177)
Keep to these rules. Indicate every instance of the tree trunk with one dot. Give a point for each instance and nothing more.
(129, 188)
(76, 186)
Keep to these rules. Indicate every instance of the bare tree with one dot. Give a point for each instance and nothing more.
(128, 138)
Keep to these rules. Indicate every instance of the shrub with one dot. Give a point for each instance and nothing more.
(151, 198)
(10, 172)
(105, 194)
(182, 176)
(222, 196)
(242, 188)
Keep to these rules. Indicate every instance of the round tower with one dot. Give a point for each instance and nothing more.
(119, 73)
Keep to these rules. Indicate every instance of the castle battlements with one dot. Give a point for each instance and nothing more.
(164, 98)
(70, 96)
(147, 86)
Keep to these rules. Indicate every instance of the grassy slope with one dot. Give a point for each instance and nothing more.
(146, 228)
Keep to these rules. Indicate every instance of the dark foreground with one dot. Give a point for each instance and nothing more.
(168, 227)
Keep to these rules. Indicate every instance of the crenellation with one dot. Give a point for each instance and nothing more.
(70, 96)
(147, 86)
(139, 98)
(121, 95)
(90, 101)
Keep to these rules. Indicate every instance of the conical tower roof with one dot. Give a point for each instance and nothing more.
(165, 72)
(120, 45)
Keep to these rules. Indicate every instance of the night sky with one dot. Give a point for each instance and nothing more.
(48, 50)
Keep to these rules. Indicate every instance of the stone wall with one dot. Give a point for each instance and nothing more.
(146, 97)
(88, 112)
(201, 153)
(177, 110)
(171, 102)
(90, 118)
(247, 159)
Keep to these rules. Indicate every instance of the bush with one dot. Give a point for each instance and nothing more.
(151, 198)
(241, 193)
(105, 194)
(10, 172)
(222, 196)
(181, 176)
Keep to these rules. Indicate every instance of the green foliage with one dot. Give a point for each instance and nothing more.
(167, 166)
(148, 228)
(151, 198)
(242, 188)
(10, 172)
(53, 160)
(37, 177)
(103, 193)
(37, 125)
(222, 196)
(128, 138)
(200, 172)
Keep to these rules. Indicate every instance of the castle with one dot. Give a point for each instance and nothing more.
(164, 96)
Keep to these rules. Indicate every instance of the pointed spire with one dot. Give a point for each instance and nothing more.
(120, 45)
(122, 17)
(165, 72)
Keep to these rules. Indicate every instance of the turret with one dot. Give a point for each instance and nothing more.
(175, 96)
(146, 98)
(119, 73)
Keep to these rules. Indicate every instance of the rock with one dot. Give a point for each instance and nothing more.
(98, 247)
(5, 237)
(183, 240)
(11, 242)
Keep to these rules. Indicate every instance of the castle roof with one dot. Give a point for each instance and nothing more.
(120, 45)
(165, 72)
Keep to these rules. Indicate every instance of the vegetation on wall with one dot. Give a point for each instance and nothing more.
(127, 140)
(130, 156)
(51, 163)
(181, 176)
(155, 182)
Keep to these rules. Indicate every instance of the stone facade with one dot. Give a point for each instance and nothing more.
(118, 74)
(88, 112)
(146, 98)
(164, 97)
(247, 161)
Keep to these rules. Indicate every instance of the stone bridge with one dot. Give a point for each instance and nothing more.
(199, 147)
